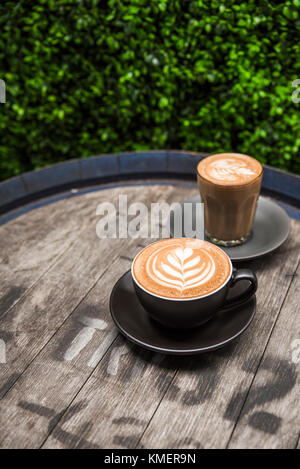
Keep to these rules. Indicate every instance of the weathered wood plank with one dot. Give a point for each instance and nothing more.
(76, 386)
(203, 404)
(192, 397)
(53, 379)
(270, 417)
(117, 402)
(72, 353)
(34, 319)
(31, 243)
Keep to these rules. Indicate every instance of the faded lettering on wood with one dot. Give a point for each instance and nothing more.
(68, 372)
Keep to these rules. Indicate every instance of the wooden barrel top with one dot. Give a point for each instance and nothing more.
(69, 380)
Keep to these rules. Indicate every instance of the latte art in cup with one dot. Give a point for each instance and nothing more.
(181, 268)
(229, 169)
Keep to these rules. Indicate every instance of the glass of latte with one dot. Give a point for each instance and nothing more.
(229, 185)
(183, 282)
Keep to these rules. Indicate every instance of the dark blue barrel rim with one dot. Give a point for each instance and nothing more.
(129, 166)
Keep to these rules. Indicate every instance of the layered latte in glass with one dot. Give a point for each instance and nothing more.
(229, 185)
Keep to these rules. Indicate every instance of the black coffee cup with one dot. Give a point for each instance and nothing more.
(190, 312)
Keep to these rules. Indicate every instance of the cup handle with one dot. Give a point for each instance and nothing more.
(242, 274)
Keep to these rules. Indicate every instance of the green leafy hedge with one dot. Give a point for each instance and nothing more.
(86, 77)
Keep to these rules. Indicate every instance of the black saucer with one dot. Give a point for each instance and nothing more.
(135, 324)
(271, 228)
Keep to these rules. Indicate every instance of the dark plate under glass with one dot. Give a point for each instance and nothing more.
(270, 229)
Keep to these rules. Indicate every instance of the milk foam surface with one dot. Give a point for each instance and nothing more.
(229, 168)
(181, 268)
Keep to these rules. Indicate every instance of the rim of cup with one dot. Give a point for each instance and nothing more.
(180, 299)
(230, 186)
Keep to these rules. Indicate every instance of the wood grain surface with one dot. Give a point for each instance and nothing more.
(71, 381)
